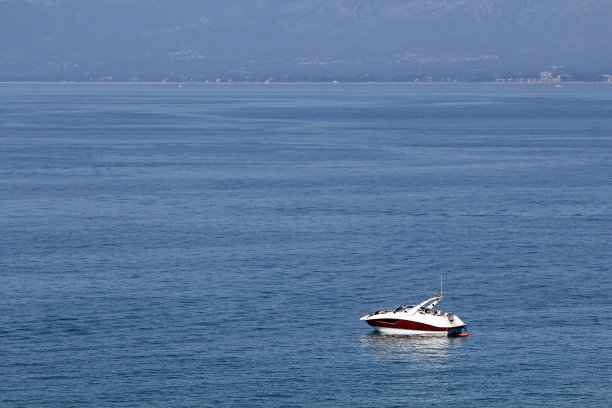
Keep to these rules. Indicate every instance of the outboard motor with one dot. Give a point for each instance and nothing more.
(450, 317)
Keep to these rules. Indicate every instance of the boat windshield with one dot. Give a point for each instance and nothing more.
(429, 310)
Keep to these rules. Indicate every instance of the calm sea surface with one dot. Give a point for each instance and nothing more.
(216, 245)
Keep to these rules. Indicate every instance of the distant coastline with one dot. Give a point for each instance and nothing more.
(301, 83)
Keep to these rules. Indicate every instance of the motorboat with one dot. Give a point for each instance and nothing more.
(423, 319)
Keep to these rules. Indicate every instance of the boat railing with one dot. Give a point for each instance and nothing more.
(379, 311)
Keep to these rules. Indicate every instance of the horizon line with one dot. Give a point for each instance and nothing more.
(534, 82)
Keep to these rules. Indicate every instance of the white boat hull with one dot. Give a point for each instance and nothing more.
(408, 332)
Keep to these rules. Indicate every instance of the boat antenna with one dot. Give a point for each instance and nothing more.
(440, 285)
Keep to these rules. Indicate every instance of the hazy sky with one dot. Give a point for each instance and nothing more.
(301, 39)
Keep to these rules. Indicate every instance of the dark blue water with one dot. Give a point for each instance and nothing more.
(216, 245)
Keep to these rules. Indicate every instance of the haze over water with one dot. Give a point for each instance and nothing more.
(216, 245)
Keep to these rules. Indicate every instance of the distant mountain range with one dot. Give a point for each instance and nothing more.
(304, 40)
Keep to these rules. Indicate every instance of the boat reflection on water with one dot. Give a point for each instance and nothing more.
(412, 348)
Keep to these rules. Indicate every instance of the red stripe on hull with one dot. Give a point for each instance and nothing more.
(405, 324)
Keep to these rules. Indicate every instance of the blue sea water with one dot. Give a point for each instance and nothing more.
(216, 245)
